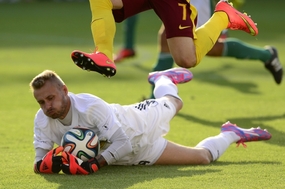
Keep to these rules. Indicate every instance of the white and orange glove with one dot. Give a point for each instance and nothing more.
(50, 163)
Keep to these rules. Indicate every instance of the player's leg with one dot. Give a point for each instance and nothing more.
(208, 150)
(176, 154)
(103, 31)
(104, 15)
(211, 148)
(223, 11)
(268, 55)
(164, 83)
(129, 33)
(238, 49)
(165, 60)
(129, 39)
(231, 47)
(235, 48)
(189, 50)
(103, 25)
(155, 115)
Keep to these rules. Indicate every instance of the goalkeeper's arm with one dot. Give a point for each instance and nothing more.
(120, 147)
(40, 153)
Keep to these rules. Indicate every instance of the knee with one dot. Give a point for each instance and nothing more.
(177, 103)
(186, 61)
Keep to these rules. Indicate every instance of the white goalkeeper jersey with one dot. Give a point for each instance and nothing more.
(134, 131)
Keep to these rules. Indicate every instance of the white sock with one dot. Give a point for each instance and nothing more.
(164, 86)
(217, 145)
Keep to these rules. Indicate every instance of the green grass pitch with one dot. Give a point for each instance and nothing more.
(38, 36)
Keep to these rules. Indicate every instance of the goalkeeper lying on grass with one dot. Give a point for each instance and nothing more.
(135, 131)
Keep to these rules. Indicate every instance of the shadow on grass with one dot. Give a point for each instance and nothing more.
(140, 66)
(127, 176)
(223, 163)
(245, 122)
(213, 77)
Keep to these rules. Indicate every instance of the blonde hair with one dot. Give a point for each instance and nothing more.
(47, 75)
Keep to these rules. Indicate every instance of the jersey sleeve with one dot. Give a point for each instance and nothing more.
(110, 129)
(41, 139)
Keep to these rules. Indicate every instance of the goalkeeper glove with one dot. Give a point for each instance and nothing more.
(50, 163)
(75, 166)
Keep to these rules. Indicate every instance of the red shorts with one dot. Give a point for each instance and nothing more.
(178, 16)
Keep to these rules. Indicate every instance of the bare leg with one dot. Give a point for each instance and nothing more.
(175, 154)
(217, 49)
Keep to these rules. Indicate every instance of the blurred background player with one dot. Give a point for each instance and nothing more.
(128, 50)
(224, 47)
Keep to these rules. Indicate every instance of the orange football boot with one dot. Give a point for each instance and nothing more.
(237, 20)
(97, 62)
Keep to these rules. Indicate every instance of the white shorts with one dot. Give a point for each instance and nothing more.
(145, 123)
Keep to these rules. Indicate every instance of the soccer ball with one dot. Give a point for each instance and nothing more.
(82, 143)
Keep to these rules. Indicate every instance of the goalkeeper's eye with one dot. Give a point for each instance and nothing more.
(41, 102)
(49, 98)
